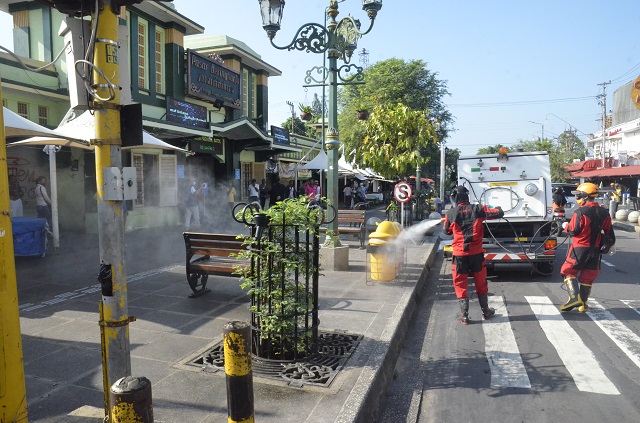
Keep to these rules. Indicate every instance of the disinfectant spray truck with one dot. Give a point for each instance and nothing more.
(520, 183)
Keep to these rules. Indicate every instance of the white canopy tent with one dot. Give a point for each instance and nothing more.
(75, 132)
(17, 126)
(78, 132)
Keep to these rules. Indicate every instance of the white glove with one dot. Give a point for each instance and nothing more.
(564, 225)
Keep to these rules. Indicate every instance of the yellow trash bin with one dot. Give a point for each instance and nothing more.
(382, 252)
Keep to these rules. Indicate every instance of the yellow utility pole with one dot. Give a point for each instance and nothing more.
(13, 395)
(114, 317)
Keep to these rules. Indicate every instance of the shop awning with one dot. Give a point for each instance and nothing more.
(239, 129)
(169, 130)
(575, 166)
(617, 172)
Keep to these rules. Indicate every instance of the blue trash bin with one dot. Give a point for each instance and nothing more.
(29, 236)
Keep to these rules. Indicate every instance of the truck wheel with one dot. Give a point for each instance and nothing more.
(545, 267)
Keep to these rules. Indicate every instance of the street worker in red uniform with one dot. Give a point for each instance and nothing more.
(582, 264)
(464, 221)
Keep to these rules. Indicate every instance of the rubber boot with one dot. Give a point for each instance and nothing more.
(573, 289)
(464, 311)
(487, 312)
(585, 291)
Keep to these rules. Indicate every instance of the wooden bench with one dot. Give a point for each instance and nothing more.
(210, 254)
(351, 222)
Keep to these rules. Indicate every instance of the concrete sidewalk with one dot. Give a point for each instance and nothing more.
(174, 335)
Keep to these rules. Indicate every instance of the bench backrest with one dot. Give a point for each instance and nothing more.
(351, 216)
(221, 245)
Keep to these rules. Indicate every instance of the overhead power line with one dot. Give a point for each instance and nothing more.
(524, 102)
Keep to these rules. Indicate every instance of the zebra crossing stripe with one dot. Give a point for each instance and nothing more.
(576, 356)
(624, 338)
(632, 305)
(505, 362)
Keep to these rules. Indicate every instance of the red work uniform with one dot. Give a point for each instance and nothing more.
(465, 223)
(583, 256)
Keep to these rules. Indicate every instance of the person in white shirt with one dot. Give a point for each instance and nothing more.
(43, 202)
(254, 192)
(347, 196)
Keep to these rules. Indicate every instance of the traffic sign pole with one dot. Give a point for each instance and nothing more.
(402, 193)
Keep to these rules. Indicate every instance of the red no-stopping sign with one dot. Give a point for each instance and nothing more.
(402, 192)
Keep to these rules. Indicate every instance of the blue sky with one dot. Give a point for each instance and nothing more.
(506, 63)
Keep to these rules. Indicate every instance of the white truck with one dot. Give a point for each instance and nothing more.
(520, 183)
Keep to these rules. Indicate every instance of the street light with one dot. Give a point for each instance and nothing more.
(537, 123)
(339, 39)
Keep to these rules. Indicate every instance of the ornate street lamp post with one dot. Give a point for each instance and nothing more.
(339, 39)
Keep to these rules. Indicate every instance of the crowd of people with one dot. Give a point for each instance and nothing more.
(43, 202)
(193, 198)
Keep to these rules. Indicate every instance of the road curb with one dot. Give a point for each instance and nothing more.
(365, 398)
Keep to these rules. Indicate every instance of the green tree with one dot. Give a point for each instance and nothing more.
(317, 109)
(561, 152)
(394, 136)
(391, 82)
(568, 148)
(491, 149)
(301, 127)
(537, 145)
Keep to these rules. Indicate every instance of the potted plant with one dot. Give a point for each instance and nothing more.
(305, 112)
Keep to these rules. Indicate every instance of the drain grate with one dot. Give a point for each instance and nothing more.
(334, 349)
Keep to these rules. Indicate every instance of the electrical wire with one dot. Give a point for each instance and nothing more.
(30, 68)
(626, 74)
(522, 103)
(86, 64)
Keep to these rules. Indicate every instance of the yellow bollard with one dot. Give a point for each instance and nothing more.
(237, 367)
(130, 400)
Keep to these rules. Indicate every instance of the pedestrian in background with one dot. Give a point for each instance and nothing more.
(192, 212)
(347, 196)
(292, 192)
(465, 223)
(254, 192)
(309, 190)
(582, 265)
(15, 197)
(43, 202)
(278, 191)
(231, 196)
(264, 193)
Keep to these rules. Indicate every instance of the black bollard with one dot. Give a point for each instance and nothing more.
(130, 400)
(237, 367)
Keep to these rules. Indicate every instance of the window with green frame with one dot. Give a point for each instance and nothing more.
(143, 69)
(159, 60)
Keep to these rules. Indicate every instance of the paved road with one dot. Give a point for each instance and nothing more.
(529, 364)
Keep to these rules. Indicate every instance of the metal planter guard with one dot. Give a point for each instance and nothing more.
(285, 268)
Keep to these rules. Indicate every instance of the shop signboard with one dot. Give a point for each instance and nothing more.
(211, 81)
(187, 114)
(280, 135)
(204, 145)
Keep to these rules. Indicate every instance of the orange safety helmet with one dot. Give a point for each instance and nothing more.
(584, 191)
